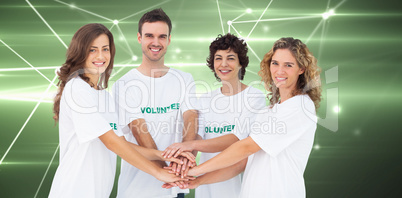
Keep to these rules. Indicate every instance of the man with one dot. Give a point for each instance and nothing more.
(156, 104)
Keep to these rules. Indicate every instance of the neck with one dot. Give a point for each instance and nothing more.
(232, 88)
(285, 94)
(155, 69)
(93, 80)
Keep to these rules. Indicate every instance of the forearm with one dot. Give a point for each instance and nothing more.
(150, 154)
(144, 139)
(214, 145)
(190, 125)
(233, 154)
(123, 149)
(222, 174)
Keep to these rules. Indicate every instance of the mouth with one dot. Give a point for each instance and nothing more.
(155, 50)
(99, 64)
(225, 71)
(280, 79)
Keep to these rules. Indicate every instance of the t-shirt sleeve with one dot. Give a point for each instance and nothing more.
(190, 97)
(88, 122)
(127, 102)
(254, 103)
(276, 130)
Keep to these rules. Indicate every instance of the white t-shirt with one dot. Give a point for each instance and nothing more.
(86, 168)
(161, 102)
(285, 134)
(221, 115)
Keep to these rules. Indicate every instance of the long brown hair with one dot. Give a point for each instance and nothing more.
(308, 83)
(77, 54)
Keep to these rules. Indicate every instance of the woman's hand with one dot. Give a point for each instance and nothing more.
(177, 148)
(165, 176)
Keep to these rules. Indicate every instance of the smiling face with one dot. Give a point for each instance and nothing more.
(98, 58)
(285, 70)
(154, 40)
(226, 65)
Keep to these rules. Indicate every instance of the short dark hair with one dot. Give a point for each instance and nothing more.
(154, 16)
(232, 42)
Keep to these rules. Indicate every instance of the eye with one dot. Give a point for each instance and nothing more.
(218, 58)
(106, 49)
(288, 65)
(92, 50)
(274, 63)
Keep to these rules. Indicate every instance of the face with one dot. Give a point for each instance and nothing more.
(284, 69)
(226, 65)
(99, 56)
(154, 40)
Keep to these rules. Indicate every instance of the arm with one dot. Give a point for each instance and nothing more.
(139, 130)
(190, 129)
(235, 153)
(212, 177)
(153, 154)
(213, 145)
(123, 149)
(219, 175)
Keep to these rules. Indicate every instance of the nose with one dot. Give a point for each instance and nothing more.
(281, 70)
(100, 54)
(224, 63)
(155, 41)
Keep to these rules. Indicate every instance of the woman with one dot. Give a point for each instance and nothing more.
(87, 124)
(224, 112)
(281, 138)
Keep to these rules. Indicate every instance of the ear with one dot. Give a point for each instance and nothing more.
(301, 71)
(139, 37)
(170, 36)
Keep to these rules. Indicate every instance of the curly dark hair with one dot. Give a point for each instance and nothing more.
(232, 42)
(154, 16)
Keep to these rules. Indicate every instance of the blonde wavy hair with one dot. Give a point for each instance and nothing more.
(308, 83)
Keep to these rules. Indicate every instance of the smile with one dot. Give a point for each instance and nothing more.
(155, 49)
(280, 79)
(225, 71)
(99, 64)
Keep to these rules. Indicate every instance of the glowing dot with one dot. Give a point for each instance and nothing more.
(266, 28)
(72, 6)
(134, 58)
(337, 109)
(121, 38)
(249, 10)
(178, 50)
(116, 22)
(326, 15)
(317, 147)
(230, 22)
(357, 132)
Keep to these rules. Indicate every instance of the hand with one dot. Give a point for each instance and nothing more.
(193, 172)
(177, 148)
(164, 176)
(182, 184)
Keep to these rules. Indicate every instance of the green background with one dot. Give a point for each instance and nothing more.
(356, 152)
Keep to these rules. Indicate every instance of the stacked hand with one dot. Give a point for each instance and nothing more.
(180, 151)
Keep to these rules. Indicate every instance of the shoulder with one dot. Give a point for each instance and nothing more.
(77, 85)
(300, 102)
(130, 75)
(183, 74)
